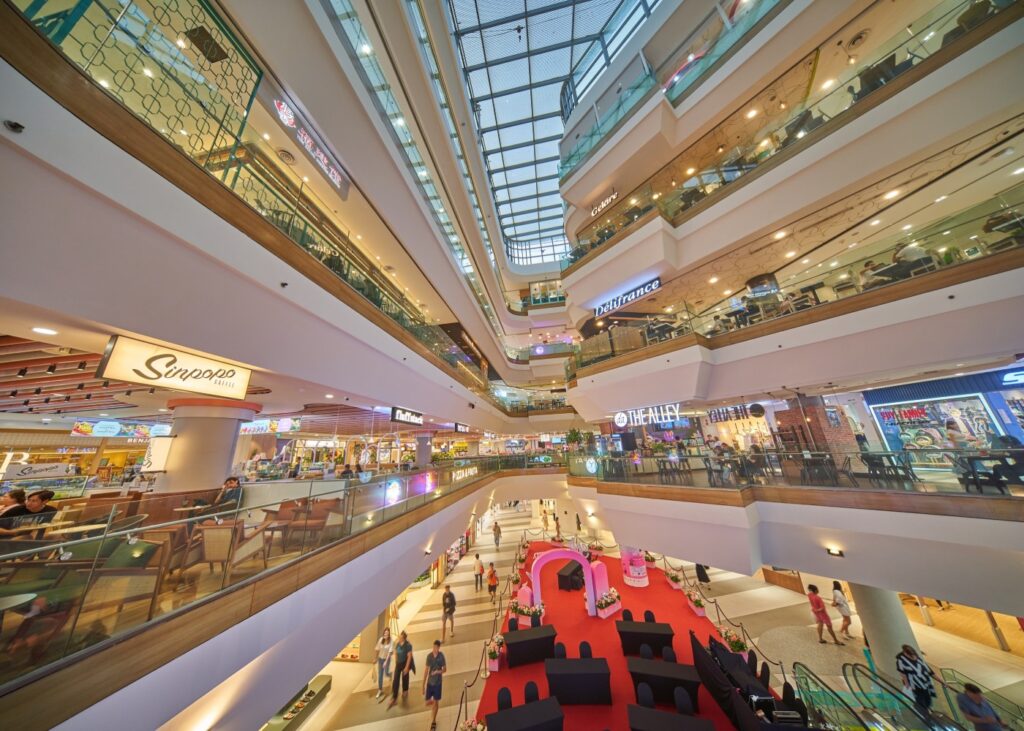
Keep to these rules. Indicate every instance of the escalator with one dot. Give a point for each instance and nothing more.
(883, 702)
(826, 708)
(1011, 713)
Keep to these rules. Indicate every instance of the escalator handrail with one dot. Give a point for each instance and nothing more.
(954, 684)
(930, 720)
(799, 667)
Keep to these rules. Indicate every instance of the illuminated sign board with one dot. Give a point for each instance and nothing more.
(461, 428)
(35, 471)
(135, 361)
(392, 492)
(464, 473)
(591, 465)
(405, 416)
(607, 201)
(1013, 378)
(120, 429)
(305, 139)
(647, 415)
(631, 296)
(271, 426)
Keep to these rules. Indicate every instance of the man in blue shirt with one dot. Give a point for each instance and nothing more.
(436, 667)
(978, 710)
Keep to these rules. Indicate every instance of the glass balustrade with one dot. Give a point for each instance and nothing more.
(886, 699)
(826, 708)
(988, 228)
(788, 110)
(1011, 713)
(989, 472)
(181, 69)
(102, 567)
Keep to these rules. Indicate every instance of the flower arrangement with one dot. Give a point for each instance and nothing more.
(733, 640)
(515, 579)
(492, 651)
(471, 724)
(673, 577)
(648, 557)
(694, 597)
(499, 640)
(608, 598)
(526, 610)
(594, 546)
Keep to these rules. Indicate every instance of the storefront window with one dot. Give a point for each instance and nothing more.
(927, 426)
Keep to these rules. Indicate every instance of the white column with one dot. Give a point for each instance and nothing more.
(885, 625)
(205, 432)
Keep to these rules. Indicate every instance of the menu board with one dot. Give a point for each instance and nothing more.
(272, 426)
(121, 429)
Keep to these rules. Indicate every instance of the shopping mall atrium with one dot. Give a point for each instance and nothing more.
(492, 365)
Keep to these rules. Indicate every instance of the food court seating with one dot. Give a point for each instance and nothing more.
(585, 650)
(504, 699)
(682, 701)
(644, 695)
(513, 624)
(649, 616)
(227, 544)
(560, 650)
(668, 654)
(627, 615)
(530, 692)
(645, 652)
(752, 662)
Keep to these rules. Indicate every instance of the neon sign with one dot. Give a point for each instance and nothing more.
(604, 203)
(287, 117)
(648, 415)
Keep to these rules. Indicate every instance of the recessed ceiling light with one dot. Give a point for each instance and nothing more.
(960, 365)
(305, 179)
(834, 264)
(805, 261)
(44, 331)
(946, 233)
(751, 114)
(850, 246)
(104, 83)
(104, 414)
(365, 49)
(907, 227)
(727, 292)
(400, 122)
(790, 254)
(633, 201)
(181, 43)
(668, 309)
(1018, 171)
(147, 72)
(876, 222)
(958, 374)
(827, 84)
(890, 195)
(941, 198)
(328, 395)
(266, 136)
(779, 235)
(691, 171)
(713, 280)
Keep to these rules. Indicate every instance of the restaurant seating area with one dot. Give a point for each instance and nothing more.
(655, 665)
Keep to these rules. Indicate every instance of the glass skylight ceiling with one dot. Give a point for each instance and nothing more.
(515, 55)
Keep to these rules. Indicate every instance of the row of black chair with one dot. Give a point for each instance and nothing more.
(627, 616)
(765, 675)
(585, 650)
(667, 653)
(645, 697)
(531, 693)
(513, 622)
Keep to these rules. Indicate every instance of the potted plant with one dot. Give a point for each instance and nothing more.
(733, 640)
(608, 603)
(674, 579)
(693, 598)
(516, 581)
(471, 724)
(595, 549)
(649, 559)
(494, 653)
(574, 438)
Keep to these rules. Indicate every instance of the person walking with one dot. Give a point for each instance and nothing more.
(478, 573)
(917, 676)
(492, 582)
(436, 668)
(384, 648)
(978, 710)
(448, 611)
(544, 520)
(496, 529)
(558, 529)
(820, 614)
(839, 602)
(404, 665)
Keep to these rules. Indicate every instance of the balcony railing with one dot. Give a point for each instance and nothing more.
(993, 227)
(722, 31)
(993, 472)
(98, 569)
(181, 69)
(777, 120)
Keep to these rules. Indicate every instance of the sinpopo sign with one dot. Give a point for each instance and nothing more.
(135, 361)
(647, 415)
(405, 416)
(631, 296)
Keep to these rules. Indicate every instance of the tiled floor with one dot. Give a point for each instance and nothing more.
(474, 619)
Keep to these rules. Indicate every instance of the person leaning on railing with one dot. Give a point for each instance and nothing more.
(37, 510)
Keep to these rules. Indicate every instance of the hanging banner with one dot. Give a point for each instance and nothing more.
(157, 452)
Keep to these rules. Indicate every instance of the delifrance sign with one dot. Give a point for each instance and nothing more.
(648, 415)
(405, 416)
(604, 203)
(461, 428)
(631, 296)
(135, 361)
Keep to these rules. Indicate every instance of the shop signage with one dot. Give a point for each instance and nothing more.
(1013, 378)
(462, 474)
(649, 415)
(461, 428)
(392, 492)
(591, 465)
(271, 426)
(631, 296)
(135, 361)
(156, 454)
(287, 117)
(404, 416)
(27, 471)
(119, 429)
(732, 413)
(607, 201)
(9, 459)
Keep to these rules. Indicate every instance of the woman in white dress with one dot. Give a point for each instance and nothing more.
(840, 603)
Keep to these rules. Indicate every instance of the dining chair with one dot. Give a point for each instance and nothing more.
(682, 700)
(627, 616)
(649, 616)
(644, 695)
(645, 652)
(530, 692)
(504, 699)
(560, 651)
(668, 654)
(585, 650)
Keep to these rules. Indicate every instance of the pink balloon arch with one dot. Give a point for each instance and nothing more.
(595, 575)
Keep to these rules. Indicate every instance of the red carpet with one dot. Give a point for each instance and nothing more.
(567, 613)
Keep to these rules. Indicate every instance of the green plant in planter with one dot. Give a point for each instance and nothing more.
(574, 438)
